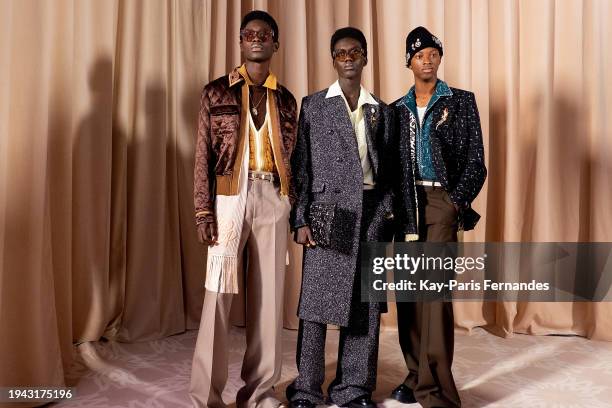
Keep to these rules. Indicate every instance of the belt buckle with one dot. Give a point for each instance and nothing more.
(261, 176)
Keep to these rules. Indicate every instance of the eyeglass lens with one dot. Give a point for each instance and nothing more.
(343, 55)
(250, 35)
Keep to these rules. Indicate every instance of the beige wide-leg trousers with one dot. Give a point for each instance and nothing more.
(264, 237)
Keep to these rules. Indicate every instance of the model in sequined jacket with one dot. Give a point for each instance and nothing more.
(442, 169)
(452, 124)
(456, 151)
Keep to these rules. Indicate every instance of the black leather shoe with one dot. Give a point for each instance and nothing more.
(301, 403)
(365, 401)
(403, 394)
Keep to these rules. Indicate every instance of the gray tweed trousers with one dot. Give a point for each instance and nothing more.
(357, 349)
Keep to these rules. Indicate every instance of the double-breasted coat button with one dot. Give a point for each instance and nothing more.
(337, 191)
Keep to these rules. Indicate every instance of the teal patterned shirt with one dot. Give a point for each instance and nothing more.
(425, 167)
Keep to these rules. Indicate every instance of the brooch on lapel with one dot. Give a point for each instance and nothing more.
(374, 116)
(443, 118)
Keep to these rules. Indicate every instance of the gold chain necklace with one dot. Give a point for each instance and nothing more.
(255, 106)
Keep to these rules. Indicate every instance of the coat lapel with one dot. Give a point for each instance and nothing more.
(371, 114)
(342, 122)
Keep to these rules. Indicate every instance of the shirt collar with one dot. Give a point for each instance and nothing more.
(364, 95)
(442, 89)
(271, 81)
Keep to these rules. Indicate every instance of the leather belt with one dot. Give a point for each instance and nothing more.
(263, 175)
(428, 183)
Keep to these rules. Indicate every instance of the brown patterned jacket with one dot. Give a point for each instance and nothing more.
(220, 140)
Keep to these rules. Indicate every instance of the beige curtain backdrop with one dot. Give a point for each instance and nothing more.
(98, 103)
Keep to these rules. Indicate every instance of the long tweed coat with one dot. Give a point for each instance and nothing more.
(326, 168)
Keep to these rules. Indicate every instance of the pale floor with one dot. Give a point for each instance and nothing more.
(522, 371)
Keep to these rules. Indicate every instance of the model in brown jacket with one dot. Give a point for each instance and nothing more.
(242, 203)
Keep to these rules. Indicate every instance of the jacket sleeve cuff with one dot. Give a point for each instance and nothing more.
(296, 227)
(298, 217)
(462, 204)
(297, 223)
(204, 216)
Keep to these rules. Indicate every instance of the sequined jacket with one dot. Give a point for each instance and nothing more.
(327, 168)
(457, 155)
(219, 138)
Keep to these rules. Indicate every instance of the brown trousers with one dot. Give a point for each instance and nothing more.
(264, 237)
(426, 329)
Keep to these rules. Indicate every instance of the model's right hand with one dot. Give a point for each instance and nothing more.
(303, 236)
(207, 233)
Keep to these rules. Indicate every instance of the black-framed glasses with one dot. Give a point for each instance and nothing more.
(343, 55)
(250, 35)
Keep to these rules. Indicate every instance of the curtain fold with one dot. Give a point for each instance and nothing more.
(98, 108)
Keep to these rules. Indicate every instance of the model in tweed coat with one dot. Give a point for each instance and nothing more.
(326, 168)
(341, 156)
